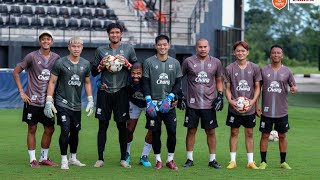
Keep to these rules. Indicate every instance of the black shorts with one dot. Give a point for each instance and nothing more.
(117, 102)
(169, 119)
(34, 114)
(235, 121)
(208, 118)
(68, 118)
(280, 124)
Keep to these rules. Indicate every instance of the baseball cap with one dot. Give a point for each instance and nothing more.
(46, 32)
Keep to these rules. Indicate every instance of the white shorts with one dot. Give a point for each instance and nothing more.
(134, 111)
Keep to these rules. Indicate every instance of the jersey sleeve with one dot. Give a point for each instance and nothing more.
(178, 69)
(56, 68)
(133, 57)
(227, 75)
(87, 74)
(184, 67)
(26, 61)
(291, 79)
(97, 58)
(257, 73)
(146, 67)
(219, 69)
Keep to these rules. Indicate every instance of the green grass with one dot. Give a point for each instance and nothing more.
(303, 149)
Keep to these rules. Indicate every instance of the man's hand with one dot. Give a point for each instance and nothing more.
(124, 61)
(293, 88)
(104, 63)
(218, 102)
(166, 103)
(151, 108)
(90, 106)
(49, 108)
(25, 98)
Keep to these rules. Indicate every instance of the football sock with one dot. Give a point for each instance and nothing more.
(44, 154)
(158, 157)
(73, 156)
(128, 147)
(32, 155)
(233, 156)
(146, 149)
(283, 157)
(190, 155)
(263, 157)
(250, 157)
(212, 157)
(170, 157)
(64, 158)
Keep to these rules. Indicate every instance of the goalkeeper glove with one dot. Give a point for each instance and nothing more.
(49, 108)
(166, 103)
(90, 106)
(151, 108)
(218, 102)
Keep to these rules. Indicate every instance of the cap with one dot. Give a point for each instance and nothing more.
(46, 32)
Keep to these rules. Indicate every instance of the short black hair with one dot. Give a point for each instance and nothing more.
(275, 46)
(114, 25)
(162, 37)
(136, 65)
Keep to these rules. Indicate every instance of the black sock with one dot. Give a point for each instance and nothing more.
(283, 157)
(263, 156)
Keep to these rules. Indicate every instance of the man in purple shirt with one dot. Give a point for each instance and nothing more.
(204, 78)
(38, 65)
(242, 80)
(275, 81)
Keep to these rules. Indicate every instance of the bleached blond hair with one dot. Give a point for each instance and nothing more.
(75, 40)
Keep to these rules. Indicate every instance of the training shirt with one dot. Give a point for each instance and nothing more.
(38, 68)
(116, 80)
(162, 75)
(201, 81)
(70, 82)
(275, 91)
(242, 82)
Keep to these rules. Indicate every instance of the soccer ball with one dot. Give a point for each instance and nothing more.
(273, 136)
(114, 64)
(243, 104)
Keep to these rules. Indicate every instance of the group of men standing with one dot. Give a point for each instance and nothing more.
(55, 84)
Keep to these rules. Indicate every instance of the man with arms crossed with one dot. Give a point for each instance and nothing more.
(242, 79)
(38, 65)
(275, 81)
(115, 97)
(70, 73)
(162, 81)
(204, 76)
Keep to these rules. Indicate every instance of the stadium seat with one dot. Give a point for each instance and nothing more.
(56, 2)
(32, 1)
(90, 3)
(102, 4)
(2, 22)
(73, 23)
(39, 10)
(35, 22)
(111, 15)
(85, 24)
(4, 9)
(44, 2)
(75, 12)
(24, 22)
(79, 3)
(27, 10)
(87, 12)
(13, 22)
(52, 11)
(64, 12)
(61, 23)
(15, 9)
(106, 23)
(20, 1)
(67, 2)
(122, 24)
(7, 1)
(96, 24)
(99, 13)
(48, 22)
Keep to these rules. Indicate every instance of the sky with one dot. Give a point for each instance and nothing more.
(228, 11)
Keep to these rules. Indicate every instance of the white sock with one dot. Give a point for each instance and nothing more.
(146, 149)
(190, 155)
(64, 158)
(233, 156)
(44, 154)
(73, 156)
(128, 147)
(32, 155)
(212, 157)
(250, 157)
(158, 157)
(170, 157)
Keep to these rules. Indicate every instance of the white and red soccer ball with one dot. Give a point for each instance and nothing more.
(242, 104)
(114, 64)
(273, 136)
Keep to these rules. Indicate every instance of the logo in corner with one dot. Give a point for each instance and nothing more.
(279, 4)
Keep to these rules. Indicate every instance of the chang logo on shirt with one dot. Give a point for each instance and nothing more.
(274, 87)
(243, 86)
(138, 95)
(163, 79)
(202, 77)
(74, 81)
(45, 75)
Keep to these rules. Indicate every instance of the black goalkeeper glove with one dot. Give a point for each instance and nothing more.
(218, 102)
(181, 100)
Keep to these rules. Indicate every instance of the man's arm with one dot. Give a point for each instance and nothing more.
(52, 83)
(256, 93)
(16, 76)
(219, 84)
(231, 101)
(87, 86)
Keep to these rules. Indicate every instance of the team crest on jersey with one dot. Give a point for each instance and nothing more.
(195, 65)
(106, 54)
(274, 87)
(236, 74)
(268, 75)
(163, 79)
(170, 67)
(74, 81)
(151, 122)
(209, 66)
(249, 72)
(39, 62)
(266, 109)
(156, 67)
(29, 116)
(45, 75)
(121, 52)
(202, 77)
(34, 97)
(81, 68)
(243, 86)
